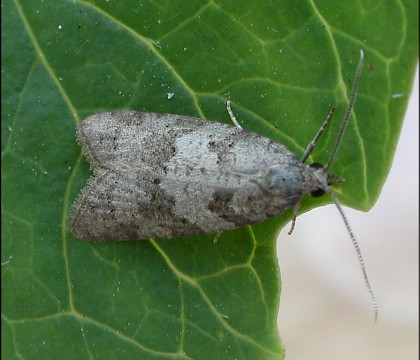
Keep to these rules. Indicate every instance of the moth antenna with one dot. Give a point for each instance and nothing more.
(312, 144)
(348, 111)
(357, 248)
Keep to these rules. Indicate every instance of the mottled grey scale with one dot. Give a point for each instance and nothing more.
(135, 211)
(163, 175)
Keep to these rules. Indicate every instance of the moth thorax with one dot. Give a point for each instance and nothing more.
(282, 180)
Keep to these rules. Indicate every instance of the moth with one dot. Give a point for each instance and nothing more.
(165, 175)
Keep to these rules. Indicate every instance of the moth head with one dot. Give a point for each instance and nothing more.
(325, 179)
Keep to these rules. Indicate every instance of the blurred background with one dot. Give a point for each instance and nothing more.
(325, 309)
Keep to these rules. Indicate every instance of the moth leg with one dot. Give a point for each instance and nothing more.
(295, 213)
(216, 238)
(231, 115)
(311, 145)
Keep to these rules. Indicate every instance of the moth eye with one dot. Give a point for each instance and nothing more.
(318, 192)
(316, 166)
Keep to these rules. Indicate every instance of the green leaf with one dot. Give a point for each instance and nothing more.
(283, 64)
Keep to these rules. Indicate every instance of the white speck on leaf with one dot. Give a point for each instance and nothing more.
(398, 95)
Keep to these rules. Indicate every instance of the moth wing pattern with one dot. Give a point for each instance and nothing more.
(164, 175)
(106, 211)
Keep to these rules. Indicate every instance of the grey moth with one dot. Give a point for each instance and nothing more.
(165, 175)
